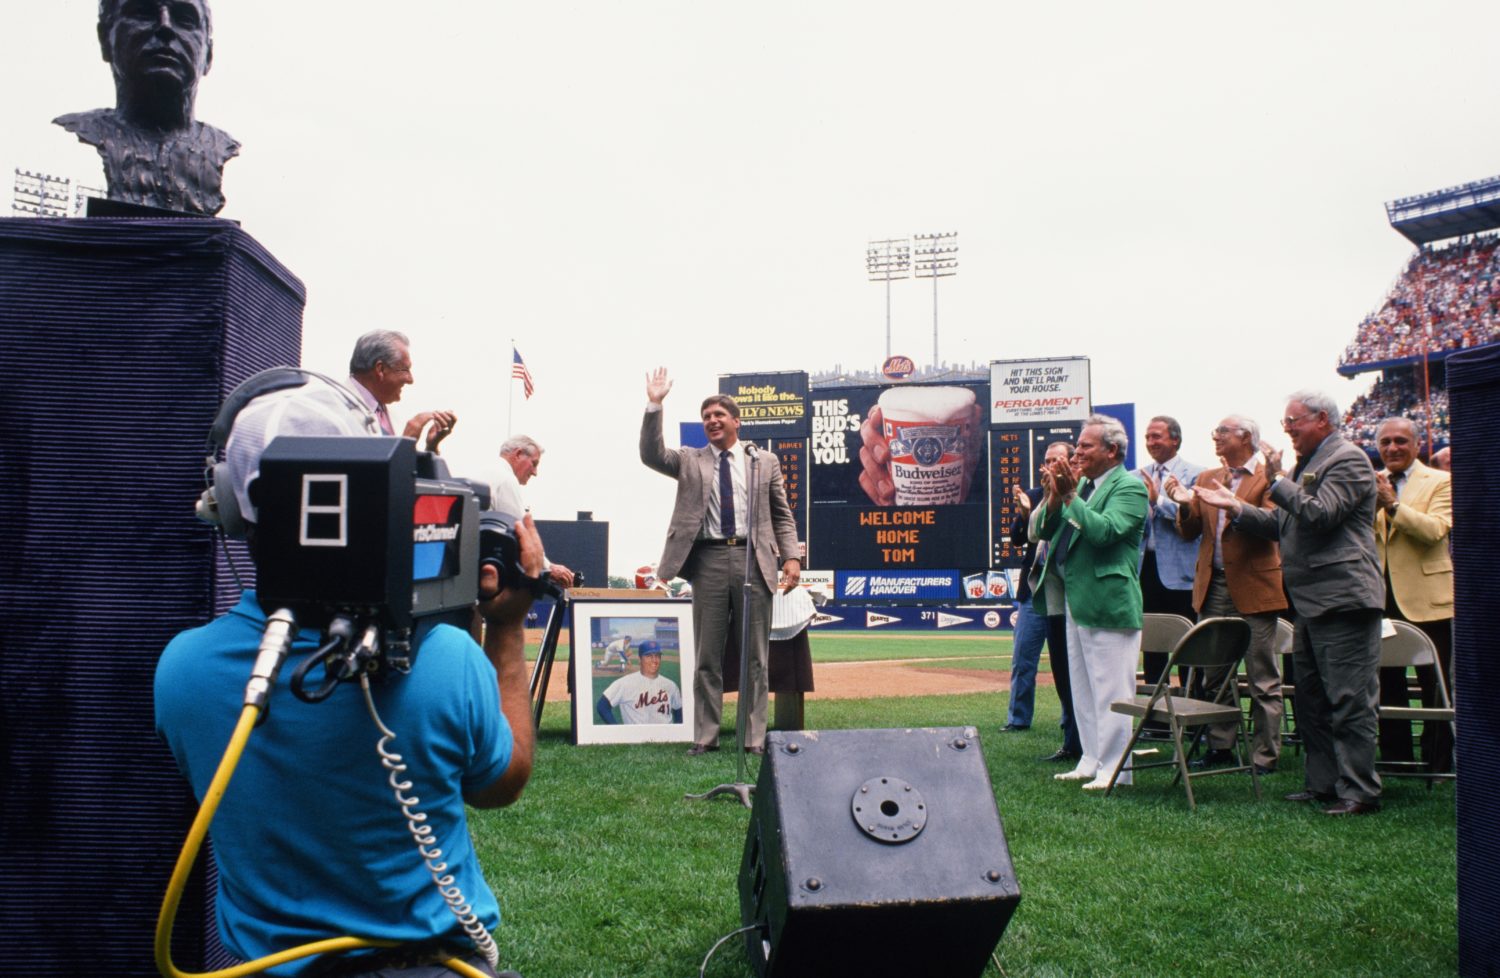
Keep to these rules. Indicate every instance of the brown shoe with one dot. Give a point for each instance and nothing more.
(1348, 806)
(755, 750)
(1306, 795)
(697, 749)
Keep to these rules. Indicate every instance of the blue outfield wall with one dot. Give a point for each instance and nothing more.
(863, 618)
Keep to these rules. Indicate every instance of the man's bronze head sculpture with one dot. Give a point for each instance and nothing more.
(157, 49)
(155, 152)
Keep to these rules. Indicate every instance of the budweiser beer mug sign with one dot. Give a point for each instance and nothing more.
(928, 433)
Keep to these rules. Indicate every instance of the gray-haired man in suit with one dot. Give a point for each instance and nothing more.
(706, 544)
(1324, 519)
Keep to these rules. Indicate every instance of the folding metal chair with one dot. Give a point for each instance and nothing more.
(1212, 644)
(1285, 636)
(1159, 633)
(1409, 647)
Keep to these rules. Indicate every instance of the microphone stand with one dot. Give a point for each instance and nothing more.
(739, 787)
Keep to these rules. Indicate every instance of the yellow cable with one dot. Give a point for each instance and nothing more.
(189, 854)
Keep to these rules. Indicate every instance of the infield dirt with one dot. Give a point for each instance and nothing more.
(863, 680)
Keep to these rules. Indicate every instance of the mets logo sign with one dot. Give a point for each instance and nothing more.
(898, 368)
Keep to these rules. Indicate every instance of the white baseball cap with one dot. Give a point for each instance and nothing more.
(791, 611)
(317, 407)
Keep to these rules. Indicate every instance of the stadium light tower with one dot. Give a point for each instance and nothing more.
(885, 261)
(39, 195)
(81, 195)
(937, 257)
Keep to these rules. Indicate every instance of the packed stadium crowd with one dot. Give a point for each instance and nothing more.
(1458, 287)
(1397, 396)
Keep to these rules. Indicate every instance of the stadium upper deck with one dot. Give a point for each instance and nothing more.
(1447, 297)
(1441, 214)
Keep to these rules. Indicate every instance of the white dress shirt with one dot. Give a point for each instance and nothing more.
(711, 528)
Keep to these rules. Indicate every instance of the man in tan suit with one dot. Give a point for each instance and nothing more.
(1413, 518)
(706, 544)
(1239, 576)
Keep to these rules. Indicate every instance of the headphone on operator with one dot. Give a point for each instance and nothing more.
(218, 505)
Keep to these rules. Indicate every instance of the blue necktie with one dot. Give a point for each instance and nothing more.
(1158, 479)
(726, 495)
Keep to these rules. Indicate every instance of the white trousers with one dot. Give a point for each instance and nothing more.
(1101, 668)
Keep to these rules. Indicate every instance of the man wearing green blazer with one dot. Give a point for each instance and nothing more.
(1093, 517)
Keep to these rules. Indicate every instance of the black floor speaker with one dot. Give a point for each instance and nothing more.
(875, 853)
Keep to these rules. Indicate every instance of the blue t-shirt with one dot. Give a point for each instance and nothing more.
(309, 839)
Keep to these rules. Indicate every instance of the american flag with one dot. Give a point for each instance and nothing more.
(518, 370)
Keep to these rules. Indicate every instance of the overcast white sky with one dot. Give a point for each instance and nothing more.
(1190, 194)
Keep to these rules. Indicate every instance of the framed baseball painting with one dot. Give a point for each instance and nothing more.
(632, 671)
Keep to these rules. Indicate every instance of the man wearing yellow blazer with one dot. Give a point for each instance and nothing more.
(1413, 518)
(1094, 526)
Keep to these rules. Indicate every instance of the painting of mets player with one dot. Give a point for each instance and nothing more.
(642, 697)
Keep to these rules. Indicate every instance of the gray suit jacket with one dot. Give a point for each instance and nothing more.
(693, 468)
(1325, 520)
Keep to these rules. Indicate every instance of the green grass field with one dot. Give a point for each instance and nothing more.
(604, 870)
(877, 646)
(881, 646)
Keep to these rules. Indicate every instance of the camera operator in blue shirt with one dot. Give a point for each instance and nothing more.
(310, 839)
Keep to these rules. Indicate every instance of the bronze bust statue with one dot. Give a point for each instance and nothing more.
(154, 151)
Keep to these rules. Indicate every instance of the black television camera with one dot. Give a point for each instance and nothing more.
(365, 539)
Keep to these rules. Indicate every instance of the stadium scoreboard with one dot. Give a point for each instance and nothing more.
(914, 477)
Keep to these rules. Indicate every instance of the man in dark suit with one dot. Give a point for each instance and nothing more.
(379, 368)
(1032, 628)
(1093, 529)
(1238, 575)
(706, 543)
(1412, 530)
(1325, 521)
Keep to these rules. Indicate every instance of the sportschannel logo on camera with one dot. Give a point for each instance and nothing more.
(436, 521)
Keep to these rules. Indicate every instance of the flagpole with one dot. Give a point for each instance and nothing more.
(510, 389)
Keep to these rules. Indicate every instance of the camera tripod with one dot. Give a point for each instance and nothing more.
(541, 670)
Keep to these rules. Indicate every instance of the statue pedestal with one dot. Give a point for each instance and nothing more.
(120, 339)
